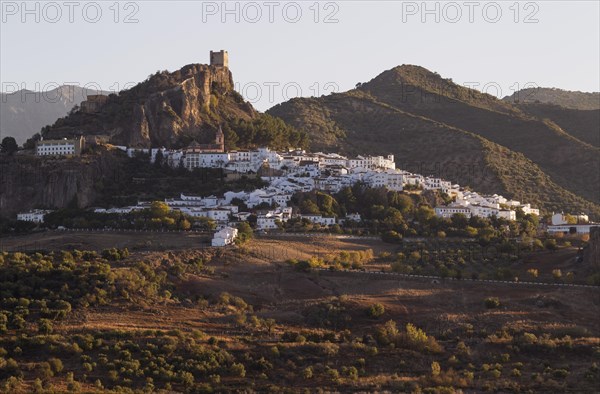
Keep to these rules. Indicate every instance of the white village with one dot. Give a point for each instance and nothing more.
(295, 171)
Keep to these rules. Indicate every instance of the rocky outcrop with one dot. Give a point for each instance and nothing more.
(168, 109)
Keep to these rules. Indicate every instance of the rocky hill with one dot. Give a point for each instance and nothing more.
(168, 109)
(435, 126)
(24, 113)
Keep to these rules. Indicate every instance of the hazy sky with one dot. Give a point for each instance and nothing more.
(285, 49)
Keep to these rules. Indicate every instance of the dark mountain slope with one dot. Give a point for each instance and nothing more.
(355, 122)
(569, 162)
(581, 124)
(434, 126)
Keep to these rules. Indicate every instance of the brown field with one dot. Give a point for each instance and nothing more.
(98, 240)
(451, 311)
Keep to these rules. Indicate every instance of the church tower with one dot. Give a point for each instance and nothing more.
(220, 139)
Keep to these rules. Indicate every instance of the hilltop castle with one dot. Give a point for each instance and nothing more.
(219, 59)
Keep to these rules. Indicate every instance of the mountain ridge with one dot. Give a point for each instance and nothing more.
(564, 98)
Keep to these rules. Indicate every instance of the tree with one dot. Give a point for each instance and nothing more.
(550, 244)
(159, 209)
(30, 143)
(435, 368)
(424, 214)
(9, 145)
(245, 232)
(159, 159)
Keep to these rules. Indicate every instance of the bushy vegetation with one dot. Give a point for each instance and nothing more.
(138, 179)
(157, 217)
(396, 215)
(46, 344)
(265, 130)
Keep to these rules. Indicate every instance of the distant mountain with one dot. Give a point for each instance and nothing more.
(25, 112)
(563, 98)
(435, 126)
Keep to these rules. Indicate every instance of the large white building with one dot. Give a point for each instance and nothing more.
(64, 147)
(572, 228)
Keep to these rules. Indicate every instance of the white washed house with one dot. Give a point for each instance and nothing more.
(35, 216)
(225, 236)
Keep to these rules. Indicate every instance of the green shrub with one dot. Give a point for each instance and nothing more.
(492, 302)
(376, 310)
(44, 326)
(238, 369)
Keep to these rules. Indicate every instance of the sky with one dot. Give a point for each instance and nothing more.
(279, 50)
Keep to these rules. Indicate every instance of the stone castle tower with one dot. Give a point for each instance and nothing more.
(219, 59)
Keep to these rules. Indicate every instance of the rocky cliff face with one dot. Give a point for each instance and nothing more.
(29, 182)
(168, 109)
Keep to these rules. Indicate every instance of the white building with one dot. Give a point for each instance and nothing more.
(64, 147)
(372, 162)
(452, 209)
(561, 218)
(35, 216)
(527, 210)
(437, 184)
(225, 236)
(319, 219)
(213, 159)
(267, 222)
(507, 214)
(353, 217)
(572, 228)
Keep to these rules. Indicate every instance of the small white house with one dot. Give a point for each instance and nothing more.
(322, 220)
(225, 236)
(35, 216)
(354, 217)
